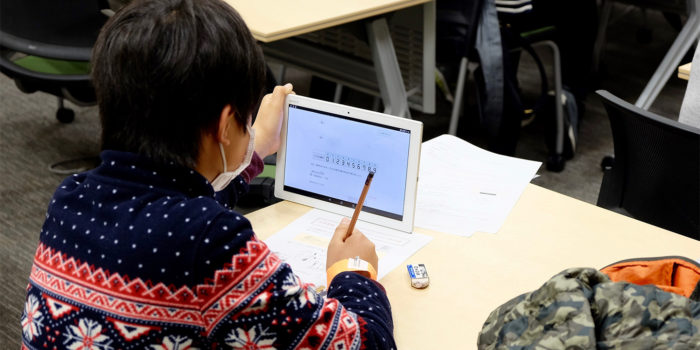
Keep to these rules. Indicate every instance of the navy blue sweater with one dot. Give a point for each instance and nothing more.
(136, 255)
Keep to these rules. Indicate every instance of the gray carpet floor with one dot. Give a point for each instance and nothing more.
(31, 139)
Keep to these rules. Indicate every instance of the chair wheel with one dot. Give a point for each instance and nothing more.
(555, 163)
(65, 115)
(607, 163)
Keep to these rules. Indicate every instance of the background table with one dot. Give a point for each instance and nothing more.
(544, 234)
(684, 71)
(270, 21)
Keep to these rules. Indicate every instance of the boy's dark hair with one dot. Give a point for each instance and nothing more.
(164, 69)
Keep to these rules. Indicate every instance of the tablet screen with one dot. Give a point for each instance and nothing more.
(328, 157)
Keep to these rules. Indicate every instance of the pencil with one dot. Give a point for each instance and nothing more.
(358, 207)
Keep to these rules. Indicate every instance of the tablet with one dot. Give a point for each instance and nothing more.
(328, 149)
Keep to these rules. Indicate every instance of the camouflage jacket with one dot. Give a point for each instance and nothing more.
(581, 308)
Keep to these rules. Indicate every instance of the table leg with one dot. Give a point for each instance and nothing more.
(386, 66)
(687, 36)
(429, 14)
(604, 18)
(459, 93)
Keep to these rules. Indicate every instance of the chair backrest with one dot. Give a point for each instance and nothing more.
(656, 172)
(63, 30)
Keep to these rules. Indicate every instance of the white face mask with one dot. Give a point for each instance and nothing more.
(225, 178)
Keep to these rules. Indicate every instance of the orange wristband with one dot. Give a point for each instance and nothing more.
(352, 264)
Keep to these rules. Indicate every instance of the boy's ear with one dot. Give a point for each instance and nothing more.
(225, 120)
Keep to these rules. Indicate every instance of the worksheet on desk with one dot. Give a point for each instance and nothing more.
(303, 244)
(463, 189)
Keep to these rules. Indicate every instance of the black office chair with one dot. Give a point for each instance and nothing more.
(45, 45)
(655, 175)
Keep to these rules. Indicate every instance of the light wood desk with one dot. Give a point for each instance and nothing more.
(469, 277)
(684, 71)
(270, 21)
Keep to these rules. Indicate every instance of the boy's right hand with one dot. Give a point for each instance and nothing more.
(355, 245)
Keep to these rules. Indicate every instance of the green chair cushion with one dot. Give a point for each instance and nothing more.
(268, 171)
(53, 66)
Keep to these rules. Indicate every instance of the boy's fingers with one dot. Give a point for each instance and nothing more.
(340, 231)
(356, 235)
(283, 90)
(344, 222)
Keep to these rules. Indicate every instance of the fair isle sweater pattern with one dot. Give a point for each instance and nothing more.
(193, 277)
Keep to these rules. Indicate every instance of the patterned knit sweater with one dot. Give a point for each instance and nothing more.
(133, 255)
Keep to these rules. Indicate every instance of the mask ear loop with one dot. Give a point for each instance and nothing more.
(223, 155)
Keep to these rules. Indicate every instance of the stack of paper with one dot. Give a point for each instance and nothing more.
(463, 189)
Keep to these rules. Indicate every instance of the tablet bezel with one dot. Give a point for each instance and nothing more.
(416, 129)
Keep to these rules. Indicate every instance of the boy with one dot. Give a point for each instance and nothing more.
(144, 251)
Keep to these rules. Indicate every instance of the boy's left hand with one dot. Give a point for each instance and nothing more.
(268, 123)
